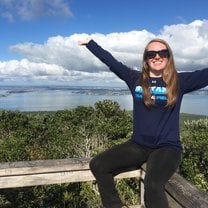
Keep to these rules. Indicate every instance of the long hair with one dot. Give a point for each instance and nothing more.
(169, 76)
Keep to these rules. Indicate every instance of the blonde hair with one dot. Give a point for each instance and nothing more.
(169, 76)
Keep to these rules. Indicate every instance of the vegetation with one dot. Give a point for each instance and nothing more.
(194, 166)
(83, 132)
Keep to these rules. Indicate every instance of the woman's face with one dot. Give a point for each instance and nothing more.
(157, 58)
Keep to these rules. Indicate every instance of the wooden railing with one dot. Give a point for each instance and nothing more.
(181, 194)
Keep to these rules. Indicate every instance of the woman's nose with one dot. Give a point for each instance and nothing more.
(157, 56)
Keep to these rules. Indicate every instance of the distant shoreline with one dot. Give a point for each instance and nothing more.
(80, 89)
(53, 98)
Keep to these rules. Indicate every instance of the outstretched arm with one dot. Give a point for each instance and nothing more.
(191, 81)
(121, 70)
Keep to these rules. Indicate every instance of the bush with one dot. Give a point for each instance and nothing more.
(80, 132)
(84, 132)
(194, 166)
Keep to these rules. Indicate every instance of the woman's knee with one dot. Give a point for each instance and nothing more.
(95, 165)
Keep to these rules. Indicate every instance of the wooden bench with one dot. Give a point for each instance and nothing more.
(44, 172)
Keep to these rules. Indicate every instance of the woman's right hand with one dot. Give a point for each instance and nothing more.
(84, 42)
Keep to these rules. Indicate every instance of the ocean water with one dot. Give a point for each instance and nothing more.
(59, 98)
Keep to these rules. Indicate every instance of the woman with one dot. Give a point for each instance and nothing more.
(157, 93)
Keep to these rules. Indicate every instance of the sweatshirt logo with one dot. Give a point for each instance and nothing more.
(158, 93)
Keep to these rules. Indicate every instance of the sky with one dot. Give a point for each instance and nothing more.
(39, 38)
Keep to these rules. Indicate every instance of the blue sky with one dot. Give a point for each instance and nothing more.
(38, 37)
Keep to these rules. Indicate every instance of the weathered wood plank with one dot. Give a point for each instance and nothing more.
(55, 178)
(43, 166)
(44, 179)
(185, 193)
(172, 203)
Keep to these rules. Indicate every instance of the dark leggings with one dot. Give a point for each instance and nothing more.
(161, 164)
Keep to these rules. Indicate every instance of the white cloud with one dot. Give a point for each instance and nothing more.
(60, 58)
(65, 52)
(28, 10)
(42, 73)
(189, 43)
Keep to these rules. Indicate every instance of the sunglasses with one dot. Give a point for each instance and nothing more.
(151, 54)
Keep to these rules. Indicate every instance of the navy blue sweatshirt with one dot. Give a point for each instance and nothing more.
(159, 126)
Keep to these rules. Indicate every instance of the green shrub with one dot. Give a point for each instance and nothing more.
(84, 132)
(194, 165)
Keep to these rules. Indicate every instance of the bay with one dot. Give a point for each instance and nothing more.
(53, 98)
